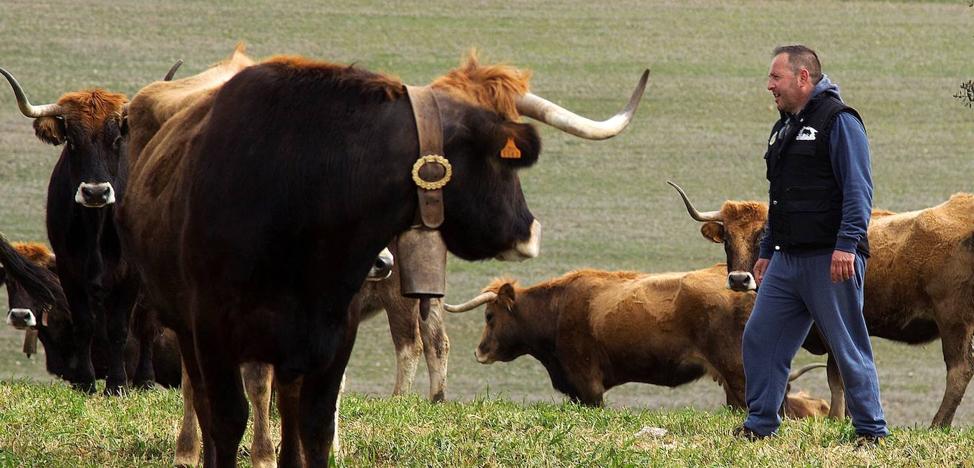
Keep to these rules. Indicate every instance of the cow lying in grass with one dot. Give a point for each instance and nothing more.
(593, 330)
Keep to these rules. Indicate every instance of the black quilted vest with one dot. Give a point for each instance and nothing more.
(806, 200)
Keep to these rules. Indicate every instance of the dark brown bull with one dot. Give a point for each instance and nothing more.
(919, 280)
(255, 212)
(593, 330)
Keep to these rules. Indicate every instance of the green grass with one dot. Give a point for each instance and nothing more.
(51, 425)
(703, 123)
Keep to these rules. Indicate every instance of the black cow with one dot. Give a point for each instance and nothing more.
(255, 213)
(83, 188)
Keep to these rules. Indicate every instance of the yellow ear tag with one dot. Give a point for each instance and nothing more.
(510, 150)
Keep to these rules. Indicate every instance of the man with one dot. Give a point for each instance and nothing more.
(813, 253)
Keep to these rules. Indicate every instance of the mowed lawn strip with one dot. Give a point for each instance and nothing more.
(51, 425)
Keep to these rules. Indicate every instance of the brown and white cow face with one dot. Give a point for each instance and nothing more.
(738, 226)
(740, 233)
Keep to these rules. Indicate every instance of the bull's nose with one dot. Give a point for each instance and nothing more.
(21, 318)
(740, 281)
(95, 195)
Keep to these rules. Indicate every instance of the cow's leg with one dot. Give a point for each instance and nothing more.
(118, 312)
(223, 387)
(83, 333)
(959, 358)
(319, 403)
(146, 328)
(288, 400)
(436, 346)
(258, 378)
(409, 347)
(732, 378)
(335, 444)
(837, 409)
(188, 441)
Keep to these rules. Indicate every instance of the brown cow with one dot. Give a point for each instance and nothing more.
(919, 279)
(593, 330)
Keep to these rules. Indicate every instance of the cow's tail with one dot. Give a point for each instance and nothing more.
(39, 282)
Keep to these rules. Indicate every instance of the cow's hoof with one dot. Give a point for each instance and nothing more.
(144, 384)
(114, 390)
(84, 387)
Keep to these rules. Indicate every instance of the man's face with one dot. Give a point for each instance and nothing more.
(787, 86)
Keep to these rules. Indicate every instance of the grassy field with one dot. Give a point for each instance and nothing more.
(50, 425)
(703, 124)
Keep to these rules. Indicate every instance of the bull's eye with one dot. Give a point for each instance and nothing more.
(489, 316)
(117, 143)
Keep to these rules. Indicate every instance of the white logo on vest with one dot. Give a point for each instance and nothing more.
(806, 134)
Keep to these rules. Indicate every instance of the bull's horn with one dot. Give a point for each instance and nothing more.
(702, 217)
(172, 70)
(798, 373)
(26, 107)
(471, 304)
(542, 110)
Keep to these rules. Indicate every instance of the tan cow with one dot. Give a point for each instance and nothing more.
(593, 330)
(919, 278)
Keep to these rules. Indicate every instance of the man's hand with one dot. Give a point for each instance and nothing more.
(843, 265)
(759, 268)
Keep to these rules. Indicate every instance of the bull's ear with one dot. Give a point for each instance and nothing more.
(50, 130)
(506, 296)
(713, 231)
(516, 144)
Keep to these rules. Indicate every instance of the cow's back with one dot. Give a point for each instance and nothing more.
(918, 258)
(652, 328)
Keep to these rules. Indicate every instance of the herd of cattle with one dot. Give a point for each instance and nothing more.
(213, 233)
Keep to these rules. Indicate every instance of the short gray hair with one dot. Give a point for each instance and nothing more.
(801, 56)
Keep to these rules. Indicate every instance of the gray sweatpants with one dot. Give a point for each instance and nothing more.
(795, 291)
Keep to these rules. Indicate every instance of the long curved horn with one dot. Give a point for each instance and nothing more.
(798, 373)
(543, 110)
(25, 106)
(172, 70)
(471, 304)
(702, 217)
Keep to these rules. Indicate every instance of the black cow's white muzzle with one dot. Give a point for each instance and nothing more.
(524, 250)
(21, 318)
(95, 195)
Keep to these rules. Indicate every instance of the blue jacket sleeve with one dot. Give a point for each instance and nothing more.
(765, 250)
(850, 164)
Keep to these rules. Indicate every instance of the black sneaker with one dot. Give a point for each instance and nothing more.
(744, 432)
(867, 442)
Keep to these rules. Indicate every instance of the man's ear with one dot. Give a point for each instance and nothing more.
(713, 231)
(50, 130)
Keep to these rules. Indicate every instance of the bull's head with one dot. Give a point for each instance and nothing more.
(90, 124)
(487, 145)
(738, 226)
(501, 339)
